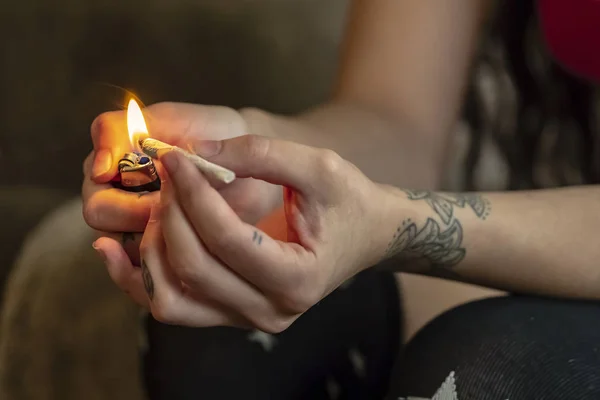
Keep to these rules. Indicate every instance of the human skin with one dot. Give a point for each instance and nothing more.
(202, 265)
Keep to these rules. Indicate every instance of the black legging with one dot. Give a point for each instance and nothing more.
(346, 344)
(515, 348)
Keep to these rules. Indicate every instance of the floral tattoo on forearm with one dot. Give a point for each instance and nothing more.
(436, 246)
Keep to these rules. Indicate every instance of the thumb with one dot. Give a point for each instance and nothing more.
(111, 141)
(276, 161)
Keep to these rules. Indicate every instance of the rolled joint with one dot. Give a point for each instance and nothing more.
(154, 148)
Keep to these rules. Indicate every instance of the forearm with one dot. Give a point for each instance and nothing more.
(385, 148)
(539, 242)
(397, 92)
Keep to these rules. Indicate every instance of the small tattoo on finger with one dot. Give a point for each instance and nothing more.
(257, 237)
(127, 237)
(148, 282)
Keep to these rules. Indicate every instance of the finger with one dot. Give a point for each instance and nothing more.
(269, 264)
(87, 164)
(109, 209)
(169, 301)
(195, 266)
(183, 124)
(127, 277)
(130, 242)
(111, 141)
(275, 161)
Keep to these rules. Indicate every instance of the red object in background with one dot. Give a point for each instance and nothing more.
(572, 32)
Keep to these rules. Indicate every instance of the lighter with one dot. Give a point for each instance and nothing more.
(137, 173)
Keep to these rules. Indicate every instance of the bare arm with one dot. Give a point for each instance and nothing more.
(398, 92)
(540, 242)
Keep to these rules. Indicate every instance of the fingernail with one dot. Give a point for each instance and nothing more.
(208, 148)
(170, 162)
(102, 163)
(100, 252)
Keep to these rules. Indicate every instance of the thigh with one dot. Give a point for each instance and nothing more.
(517, 348)
(343, 348)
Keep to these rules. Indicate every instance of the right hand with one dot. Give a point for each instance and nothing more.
(203, 266)
(123, 215)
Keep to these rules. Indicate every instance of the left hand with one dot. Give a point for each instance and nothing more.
(111, 211)
(203, 266)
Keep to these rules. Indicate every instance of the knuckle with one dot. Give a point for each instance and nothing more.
(301, 294)
(274, 324)
(257, 147)
(185, 267)
(329, 162)
(101, 124)
(91, 216)
(164, 308)
(224, 112)
(166, 109)
(162, 314)
(298, 300)
(250, 113)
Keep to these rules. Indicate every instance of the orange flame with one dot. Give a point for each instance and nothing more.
(136, 125)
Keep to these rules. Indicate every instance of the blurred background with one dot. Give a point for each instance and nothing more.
(66, 332)
(63, 62)
(526, 123)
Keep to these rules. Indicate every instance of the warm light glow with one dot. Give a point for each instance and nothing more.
(136, 125)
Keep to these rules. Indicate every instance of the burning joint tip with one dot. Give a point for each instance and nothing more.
(137, 140)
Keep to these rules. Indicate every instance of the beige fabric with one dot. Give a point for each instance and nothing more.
(67, 332)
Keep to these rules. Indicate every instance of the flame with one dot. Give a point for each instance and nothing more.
(136, 125)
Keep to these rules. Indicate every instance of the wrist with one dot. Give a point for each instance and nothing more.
(390, 230)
